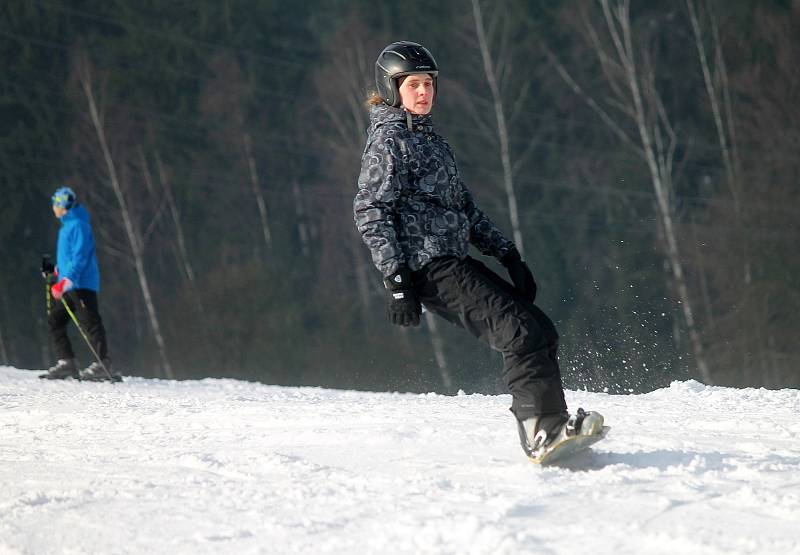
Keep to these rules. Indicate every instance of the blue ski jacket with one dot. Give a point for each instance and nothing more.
(76, 257)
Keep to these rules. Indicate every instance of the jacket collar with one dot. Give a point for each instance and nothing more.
(382, 114)
(76, 213)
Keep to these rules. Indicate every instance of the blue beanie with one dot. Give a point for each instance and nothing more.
(64, 197)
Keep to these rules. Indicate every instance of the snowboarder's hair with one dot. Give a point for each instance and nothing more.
(374, 99)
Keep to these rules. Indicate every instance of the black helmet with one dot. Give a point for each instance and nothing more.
(399, 59)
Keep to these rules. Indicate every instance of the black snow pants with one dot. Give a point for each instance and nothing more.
(470, 295)
(83, 303)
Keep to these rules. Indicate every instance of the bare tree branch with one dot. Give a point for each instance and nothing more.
(256, 188)
(608, 120)
(502, 130)
(176, 220)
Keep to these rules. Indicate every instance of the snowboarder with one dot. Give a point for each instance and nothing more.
(76, 279)
(418, 218)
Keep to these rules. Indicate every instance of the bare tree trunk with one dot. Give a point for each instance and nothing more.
(254, 181)
(180, 246)
(719, 96)
(438, 351)
(155, 218)
(716, 108)
(300, 215)
(502, 128)
(3, 351)
(176, 220)
(357, 252)
(4, 354)
(659, 162)
(736, 162)
(773, 361)
(709, 309)
(84, 71)
(348, 125)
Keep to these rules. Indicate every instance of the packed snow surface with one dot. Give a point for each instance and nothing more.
(224, 466)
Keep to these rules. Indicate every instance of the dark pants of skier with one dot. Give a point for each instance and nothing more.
(83, 303)
(470, 295)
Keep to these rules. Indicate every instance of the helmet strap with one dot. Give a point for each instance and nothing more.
(409, 121)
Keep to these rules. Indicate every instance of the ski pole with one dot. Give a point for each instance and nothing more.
(83, 334)
(47, 296)
(47, 274)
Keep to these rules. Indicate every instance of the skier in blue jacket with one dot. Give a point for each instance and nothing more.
(76, 280)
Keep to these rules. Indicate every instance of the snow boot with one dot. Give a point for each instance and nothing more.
(542, 432)
(63, 369)
(96, 373)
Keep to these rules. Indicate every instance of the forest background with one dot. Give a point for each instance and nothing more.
(643, 155)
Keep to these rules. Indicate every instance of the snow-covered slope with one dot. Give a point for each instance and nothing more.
(222, 466)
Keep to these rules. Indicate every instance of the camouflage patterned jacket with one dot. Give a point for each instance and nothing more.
(411, 205)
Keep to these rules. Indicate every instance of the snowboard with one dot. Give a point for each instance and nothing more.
(568, 447)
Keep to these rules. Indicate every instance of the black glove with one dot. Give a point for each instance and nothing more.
(48, 270)
(401, 302)
(520, 274)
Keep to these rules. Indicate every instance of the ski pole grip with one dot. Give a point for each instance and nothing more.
(47, 266)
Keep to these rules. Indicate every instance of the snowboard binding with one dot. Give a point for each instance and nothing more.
(555, 436)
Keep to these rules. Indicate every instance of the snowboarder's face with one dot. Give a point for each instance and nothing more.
(416, 92)
(59, 211)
